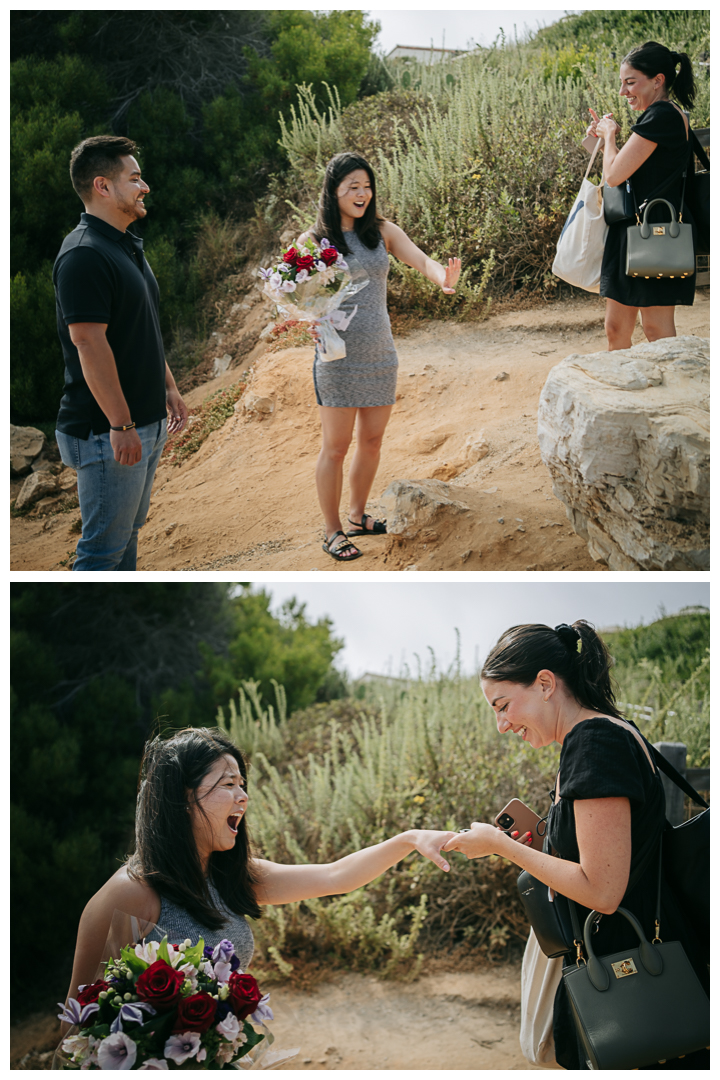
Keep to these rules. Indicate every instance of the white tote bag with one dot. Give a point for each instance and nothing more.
(582, 241)
(540, 979)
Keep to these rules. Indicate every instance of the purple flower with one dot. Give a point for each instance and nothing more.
(117, 1052)
(234, 963)
(265, 274)
(74, 1013)
(324, 243)
(154, 1063)
(223, 1008)
(263, 1011)
(179, 1048)
(131, 1012)
(224, 951)
(208, 952)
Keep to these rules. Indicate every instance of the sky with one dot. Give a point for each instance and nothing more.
(462, 29)
(384, 625)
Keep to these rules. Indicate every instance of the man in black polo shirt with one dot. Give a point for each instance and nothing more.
(112, 422)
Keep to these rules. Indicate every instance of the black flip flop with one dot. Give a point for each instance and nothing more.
(334, 552)
(378, 527)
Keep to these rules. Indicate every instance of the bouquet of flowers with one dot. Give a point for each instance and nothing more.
(162, 1006)
(318, 279)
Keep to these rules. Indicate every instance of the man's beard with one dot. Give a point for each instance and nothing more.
(132, 208)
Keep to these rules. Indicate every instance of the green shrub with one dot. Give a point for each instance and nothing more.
(36, 362)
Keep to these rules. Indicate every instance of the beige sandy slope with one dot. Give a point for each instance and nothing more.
(246, 500)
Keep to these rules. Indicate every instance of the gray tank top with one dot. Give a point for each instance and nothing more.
(178, 924)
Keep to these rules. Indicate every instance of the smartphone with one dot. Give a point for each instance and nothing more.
(590, 142)
(517, 816)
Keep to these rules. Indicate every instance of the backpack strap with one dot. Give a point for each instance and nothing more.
(699, 151)
(670, 771)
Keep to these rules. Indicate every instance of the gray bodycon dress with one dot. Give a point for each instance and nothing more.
(368, 374)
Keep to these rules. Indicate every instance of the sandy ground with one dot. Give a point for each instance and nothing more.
(246, 500)
(443, 1021)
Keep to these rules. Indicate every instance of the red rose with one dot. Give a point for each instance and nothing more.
(244, 994)
(304, 262)
(291, 256)
(195, 1013)
(90, 994)
(329, 255)
(159, 985)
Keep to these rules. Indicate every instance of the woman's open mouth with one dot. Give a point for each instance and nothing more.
(234, 822)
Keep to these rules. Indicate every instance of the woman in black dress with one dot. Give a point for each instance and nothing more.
(658, 145)
(608, 804)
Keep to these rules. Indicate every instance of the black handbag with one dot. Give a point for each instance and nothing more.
(697, 199)
(618, 203)
(637, 1007)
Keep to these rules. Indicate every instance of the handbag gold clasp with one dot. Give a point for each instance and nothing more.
(624, 967)
(579, 946)
(658, 230)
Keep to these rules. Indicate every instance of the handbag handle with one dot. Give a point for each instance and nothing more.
(650, 958)
(674, 228)
(598, 144)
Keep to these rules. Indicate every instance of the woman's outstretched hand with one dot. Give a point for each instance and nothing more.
(481, 840)
(430, 843)
(452, 273)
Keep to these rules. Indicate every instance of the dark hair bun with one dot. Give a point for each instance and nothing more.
(568, 635)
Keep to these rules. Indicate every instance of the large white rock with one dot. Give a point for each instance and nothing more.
(37, 486)
(626, 436)
(412, 505)
(26, 443)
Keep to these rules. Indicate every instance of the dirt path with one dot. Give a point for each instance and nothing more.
(246, 500)
(443, 1021)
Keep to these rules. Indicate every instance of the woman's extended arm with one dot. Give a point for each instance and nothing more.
(280, 884)
(598, 881)
(401, 246)
(620, 164)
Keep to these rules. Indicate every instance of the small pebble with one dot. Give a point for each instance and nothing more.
(501, 521)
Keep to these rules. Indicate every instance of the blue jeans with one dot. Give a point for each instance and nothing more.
(114, 498)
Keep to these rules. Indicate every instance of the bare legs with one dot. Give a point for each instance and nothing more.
(657, 322)
(337, 430)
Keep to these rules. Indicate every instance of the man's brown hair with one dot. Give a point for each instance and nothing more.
(97, 156)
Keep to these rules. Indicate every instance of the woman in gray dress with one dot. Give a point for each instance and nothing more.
(361, 386)
(193, 872)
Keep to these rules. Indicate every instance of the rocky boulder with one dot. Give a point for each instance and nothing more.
(36, 487)
(26, 444)
(413, 505)
(625, 436)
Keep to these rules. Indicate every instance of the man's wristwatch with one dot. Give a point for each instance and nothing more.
(123, 427)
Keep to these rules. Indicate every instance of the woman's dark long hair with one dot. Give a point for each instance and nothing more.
(328, 224)
(577, 654)
(165, 856)
(655, 59)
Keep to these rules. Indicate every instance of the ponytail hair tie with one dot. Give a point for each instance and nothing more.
(570, 637)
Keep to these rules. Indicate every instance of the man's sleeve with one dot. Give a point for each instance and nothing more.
(83, 280)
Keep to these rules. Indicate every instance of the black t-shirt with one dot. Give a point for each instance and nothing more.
(602, 760)
(102, 276)
(662, 124)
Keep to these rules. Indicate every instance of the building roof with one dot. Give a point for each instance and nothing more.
(423, 55)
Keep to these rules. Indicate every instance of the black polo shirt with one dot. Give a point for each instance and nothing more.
(101, 275)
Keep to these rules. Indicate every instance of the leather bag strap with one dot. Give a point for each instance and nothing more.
(699, 151)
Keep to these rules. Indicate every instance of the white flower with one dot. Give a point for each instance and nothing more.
(181, 1047)
(147, 951)
(154, 1063)
(202, 1054)
(321, 266)
(190, 972)
(229, 1028)
(288, 287)
(222, 971)
(225, 1053)
(207, 968)
(239, 1040)
(326, 277)
(118, 1051)
(76, 1045)
(302, 275)
(275, 281)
